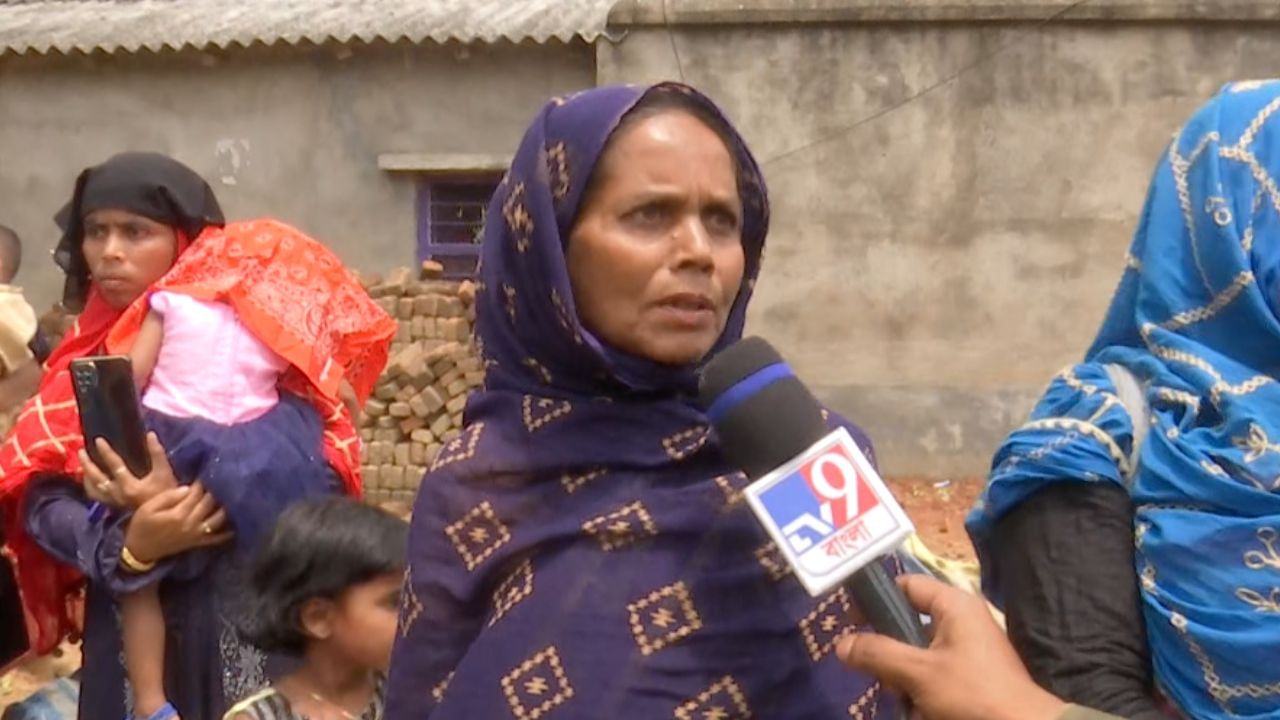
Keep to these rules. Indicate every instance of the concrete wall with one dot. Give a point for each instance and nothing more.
(294, 133)
(931, 265)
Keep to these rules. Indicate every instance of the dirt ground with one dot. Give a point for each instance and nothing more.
(937, 507)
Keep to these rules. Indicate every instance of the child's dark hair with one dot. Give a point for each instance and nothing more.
(318, 549)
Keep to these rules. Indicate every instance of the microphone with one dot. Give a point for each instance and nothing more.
(826, 508)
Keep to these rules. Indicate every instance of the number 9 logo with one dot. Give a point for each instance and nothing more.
(843, 494)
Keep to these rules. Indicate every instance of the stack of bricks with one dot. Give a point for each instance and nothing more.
(417, 405)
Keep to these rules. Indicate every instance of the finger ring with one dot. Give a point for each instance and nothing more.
(206, 529)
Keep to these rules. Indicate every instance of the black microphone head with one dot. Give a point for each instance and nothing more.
(762, 413)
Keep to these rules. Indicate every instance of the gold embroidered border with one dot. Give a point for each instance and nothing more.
(1089, 429)
(1221, 692)
(1215, 306)
(1180, 166)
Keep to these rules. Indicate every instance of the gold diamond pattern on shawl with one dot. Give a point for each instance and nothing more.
(410, 606)
(509, 302)
(867, 704)
(724, 700)
(826, 624)
(442, 687)
(478, 535)
(537, 686)
(539, 369)
(770, 558)
(663, 617)
(537, 412)
(512, 590)
(685, 443)
(621, 528)
(732, 486)
(558, 171)
(563, 316)
(572, 482)
(460, 448)
(519, 221)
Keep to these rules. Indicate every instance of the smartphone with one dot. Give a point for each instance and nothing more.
(108, 403)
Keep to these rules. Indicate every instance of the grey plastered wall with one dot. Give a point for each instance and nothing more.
(930, 268)
(290, 132)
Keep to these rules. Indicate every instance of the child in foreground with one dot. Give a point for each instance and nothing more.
(326, 584)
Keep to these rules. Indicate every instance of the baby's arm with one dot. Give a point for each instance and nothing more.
(142, 622)
(146, 348)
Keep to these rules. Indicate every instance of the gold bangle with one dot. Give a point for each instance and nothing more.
(133, 564)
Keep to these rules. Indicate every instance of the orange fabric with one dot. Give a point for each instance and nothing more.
(290, 290)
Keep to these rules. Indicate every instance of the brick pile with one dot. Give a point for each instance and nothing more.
(417, 404)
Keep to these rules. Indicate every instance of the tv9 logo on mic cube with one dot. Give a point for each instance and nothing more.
(829, 512)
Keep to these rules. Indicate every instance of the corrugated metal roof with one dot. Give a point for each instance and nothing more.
(65, 26)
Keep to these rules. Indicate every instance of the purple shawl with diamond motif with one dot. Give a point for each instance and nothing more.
(582, 550)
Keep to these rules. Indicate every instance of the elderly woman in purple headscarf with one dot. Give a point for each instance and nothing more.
(583, 550)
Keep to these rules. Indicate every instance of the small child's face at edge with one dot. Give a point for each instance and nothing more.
(364, 624)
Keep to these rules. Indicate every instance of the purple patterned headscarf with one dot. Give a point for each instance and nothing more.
(583, 550)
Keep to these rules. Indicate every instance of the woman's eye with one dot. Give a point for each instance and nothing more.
(722, 223)
(648, 215)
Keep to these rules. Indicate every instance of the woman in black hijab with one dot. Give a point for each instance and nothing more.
(147, 208)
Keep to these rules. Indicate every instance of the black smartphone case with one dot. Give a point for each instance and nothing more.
(108, 404)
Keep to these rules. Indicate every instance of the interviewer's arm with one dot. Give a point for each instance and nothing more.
(968, 672)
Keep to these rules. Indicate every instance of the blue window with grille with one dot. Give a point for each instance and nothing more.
(451, 214)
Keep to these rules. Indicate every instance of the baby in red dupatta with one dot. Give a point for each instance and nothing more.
(271, 316)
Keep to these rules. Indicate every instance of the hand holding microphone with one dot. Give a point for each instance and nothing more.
(970, 671)
(833, 519)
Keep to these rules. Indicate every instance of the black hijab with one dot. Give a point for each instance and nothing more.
(152, 185)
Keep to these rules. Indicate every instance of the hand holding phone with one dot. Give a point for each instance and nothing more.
(108, 404)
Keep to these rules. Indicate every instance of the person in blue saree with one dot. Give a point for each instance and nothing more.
(582, 550)
(1130, 528)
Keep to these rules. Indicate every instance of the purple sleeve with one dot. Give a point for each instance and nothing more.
(60, 518)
